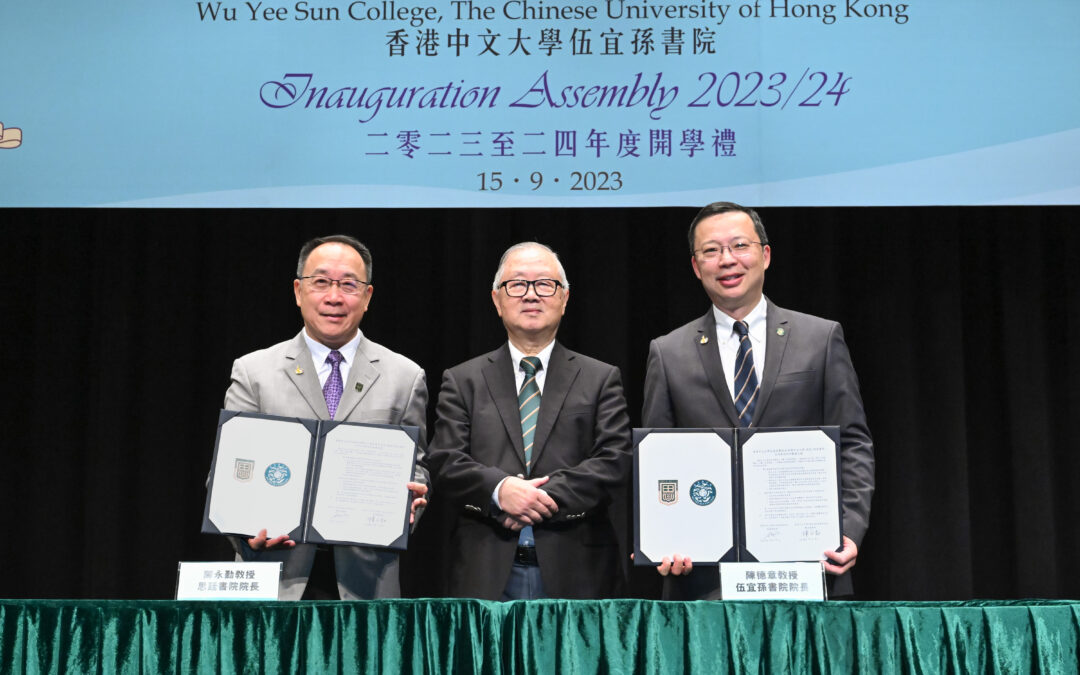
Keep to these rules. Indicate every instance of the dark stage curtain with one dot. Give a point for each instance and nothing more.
(121, 327)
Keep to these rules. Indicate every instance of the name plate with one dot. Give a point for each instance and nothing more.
(772, 581)
(228, 580)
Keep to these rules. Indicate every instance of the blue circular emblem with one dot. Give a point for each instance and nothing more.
(702, 492)
(277, 474)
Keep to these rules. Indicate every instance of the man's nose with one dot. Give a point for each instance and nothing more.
(334, 294)
(726, 255)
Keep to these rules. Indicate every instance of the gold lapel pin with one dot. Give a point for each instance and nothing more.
(359, 387)
(704, 339)
(299, 370)
(780, 332)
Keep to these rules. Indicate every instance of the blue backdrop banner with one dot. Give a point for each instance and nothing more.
(538, 103)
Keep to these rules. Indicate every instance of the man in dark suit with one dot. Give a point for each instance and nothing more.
(330, 370)
(703, 375)
(531, 442)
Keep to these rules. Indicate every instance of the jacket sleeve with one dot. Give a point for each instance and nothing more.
(588, 484)
(455, 473)
(843, 407)
(657, 411)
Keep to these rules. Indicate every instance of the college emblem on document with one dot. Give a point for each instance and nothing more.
(277, 474)
(669, 491)
(244, 470)
(702, 492)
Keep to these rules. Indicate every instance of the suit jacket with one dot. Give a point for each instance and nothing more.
(582, 442)
(808, 380)
(383, 388)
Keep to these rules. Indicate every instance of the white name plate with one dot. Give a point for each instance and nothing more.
(772, 581)
(228, 581)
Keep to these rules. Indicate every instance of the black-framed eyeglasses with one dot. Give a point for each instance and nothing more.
(740, 248)
(519, 288)
(321, 284)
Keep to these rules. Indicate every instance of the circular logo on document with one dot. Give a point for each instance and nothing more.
(702, 492)
(277, 474)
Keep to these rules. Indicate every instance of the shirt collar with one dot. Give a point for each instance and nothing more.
(319, 351)
(545, 355)
(755, 321)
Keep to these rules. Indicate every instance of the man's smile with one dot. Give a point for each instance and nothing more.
(730, 280)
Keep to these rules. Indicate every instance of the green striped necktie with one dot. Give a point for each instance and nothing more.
(529, 407)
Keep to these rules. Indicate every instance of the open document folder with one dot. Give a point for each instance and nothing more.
(319, 481)
(736, 495)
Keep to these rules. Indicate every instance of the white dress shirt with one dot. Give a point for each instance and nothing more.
(728, 341)
(319, 352)
(519, 378)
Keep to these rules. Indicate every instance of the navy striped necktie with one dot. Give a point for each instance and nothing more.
(746, 382)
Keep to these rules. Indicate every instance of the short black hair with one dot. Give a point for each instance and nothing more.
(315, 243)
(716, 208)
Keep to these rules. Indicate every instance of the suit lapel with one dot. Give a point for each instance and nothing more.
(709, 351)
(562, 371)
(362, 374)
(776, 340)
(300, 370)
(499, 377)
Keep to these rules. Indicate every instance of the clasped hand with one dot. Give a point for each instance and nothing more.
(524, 503)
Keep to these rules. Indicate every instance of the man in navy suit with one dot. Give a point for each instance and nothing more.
(802, 370)
(531, 449)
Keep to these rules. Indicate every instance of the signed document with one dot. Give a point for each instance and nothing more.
(683, 492)
(791, 498)
(736, 495)
(317, 480)
(361, 493)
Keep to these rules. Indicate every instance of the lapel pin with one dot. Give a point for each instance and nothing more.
(780, 332)
(704, 339)
(299, 370)
(359, 387)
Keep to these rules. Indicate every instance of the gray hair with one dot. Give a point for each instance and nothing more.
(521, 247)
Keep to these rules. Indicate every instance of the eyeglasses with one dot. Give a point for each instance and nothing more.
(741, 248)
(321, 284)
(519, 288)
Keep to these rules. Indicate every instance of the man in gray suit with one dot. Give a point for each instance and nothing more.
(531, 450)
(702, 375)
(331, 371)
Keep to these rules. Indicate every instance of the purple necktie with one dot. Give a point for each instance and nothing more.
(333, 388)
